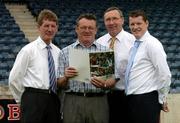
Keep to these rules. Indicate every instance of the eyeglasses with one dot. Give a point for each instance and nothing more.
(85, 28)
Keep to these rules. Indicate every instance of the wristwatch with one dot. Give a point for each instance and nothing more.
(117, 79)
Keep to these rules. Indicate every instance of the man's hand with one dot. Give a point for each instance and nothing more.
(165, 107)
(70, 72)
(110, 82)
(101, 83)
(98, 82)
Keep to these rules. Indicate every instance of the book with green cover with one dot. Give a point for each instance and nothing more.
(99, 64)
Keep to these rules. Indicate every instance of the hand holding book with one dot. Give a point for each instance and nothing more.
(100, 82)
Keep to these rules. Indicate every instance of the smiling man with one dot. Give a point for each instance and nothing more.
(121, 43)
(148, 78)
(32, 79)
(83, 102)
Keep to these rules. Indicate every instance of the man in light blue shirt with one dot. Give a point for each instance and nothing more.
(83, 102)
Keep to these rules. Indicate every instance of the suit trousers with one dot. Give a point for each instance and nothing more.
(143, 108)
(117, 106)
(85, 109)
(39, 106)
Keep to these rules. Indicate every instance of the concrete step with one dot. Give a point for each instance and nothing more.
(24, 19)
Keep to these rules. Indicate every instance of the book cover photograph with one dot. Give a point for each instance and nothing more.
(99, 64)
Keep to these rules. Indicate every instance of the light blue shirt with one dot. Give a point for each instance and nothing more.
(77, 86)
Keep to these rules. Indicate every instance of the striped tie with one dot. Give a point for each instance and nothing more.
(130, 62)
(52, 76)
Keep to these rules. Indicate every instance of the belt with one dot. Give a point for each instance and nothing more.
(37, 90)
(117, 92)
(86, 94)
(152, 93)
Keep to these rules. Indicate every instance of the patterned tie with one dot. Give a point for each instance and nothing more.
(52, 76)
(111, 45)
(130, 62)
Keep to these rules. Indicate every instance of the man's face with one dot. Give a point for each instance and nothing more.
(48, 30)
(113, 22)
(138, 26)
(86, 31)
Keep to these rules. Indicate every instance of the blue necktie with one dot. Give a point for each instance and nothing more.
(130, 62)
(52, 75)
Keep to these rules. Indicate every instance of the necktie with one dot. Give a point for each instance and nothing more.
(52, 76)
(111, 45)
(130, 62)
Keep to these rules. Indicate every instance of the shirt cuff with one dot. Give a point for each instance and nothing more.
(163, 93)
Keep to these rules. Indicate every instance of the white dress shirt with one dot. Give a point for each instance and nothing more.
(31, 68)
(150, 70)
(124, 42)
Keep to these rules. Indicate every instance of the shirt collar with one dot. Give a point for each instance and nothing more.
(118, 36)
(42, 44)
(77, 44)
(144, 37)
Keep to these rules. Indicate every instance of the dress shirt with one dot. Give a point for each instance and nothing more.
(150, 70)
(73, 85)
(124, 42)
(31, 67)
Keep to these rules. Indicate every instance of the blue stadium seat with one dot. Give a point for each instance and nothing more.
(170, 57)
(171, 49)
(177, 56)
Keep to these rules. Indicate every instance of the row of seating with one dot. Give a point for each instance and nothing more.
(12, 39)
